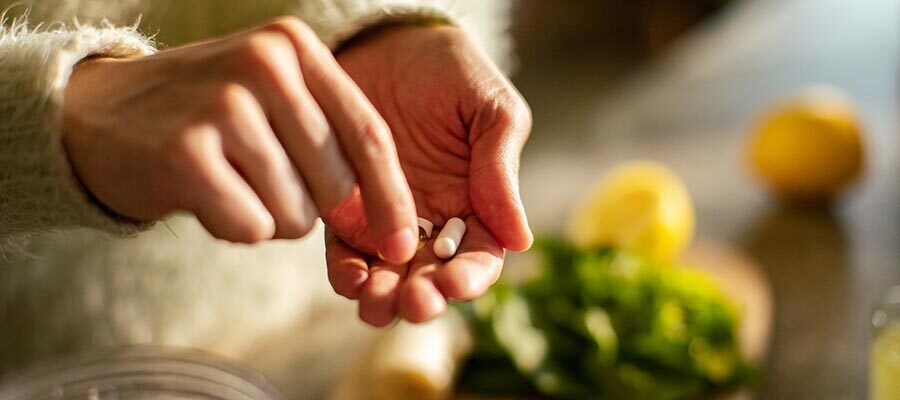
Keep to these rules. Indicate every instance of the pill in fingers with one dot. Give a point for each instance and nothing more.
(425, 228)
(450, 237)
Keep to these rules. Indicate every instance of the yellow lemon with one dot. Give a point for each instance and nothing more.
(808, 148)
(641, 206)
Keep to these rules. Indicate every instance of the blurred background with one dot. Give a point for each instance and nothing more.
(578, 48)
(684, 83)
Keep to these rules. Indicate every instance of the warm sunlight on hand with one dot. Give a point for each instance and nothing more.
(459, 127)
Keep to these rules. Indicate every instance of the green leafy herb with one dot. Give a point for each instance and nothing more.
(605, 324)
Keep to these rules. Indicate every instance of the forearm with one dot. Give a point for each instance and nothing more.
(38, 190)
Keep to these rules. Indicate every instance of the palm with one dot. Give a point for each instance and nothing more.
(434, 151)
(437, 115)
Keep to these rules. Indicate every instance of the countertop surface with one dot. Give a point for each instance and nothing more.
(692, 108)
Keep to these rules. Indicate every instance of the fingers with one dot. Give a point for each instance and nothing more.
(470, 273)
(475, 267)
(419, 299)
(308, 138)
(499, 133)
(366, 140)
(298, 121)
(225, 205)
(420, 292)
(378, 299)
(404, 289)
(347, 269)
(376, 286)
(252, 147)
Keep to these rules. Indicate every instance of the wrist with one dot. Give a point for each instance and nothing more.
(78, 90)
(83, 117)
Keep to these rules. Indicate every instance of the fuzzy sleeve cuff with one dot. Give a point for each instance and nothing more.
(486, 21)
(38, 189)
(336, 21)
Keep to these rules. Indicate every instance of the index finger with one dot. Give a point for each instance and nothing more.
(366, 139)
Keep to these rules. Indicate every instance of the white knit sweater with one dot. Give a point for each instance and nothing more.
(71, 285)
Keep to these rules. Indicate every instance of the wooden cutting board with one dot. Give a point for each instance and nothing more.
(747, 284)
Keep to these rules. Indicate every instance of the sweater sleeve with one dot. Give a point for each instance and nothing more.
(336, 21)
(38, 189)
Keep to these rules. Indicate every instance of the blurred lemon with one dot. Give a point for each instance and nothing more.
(809, 148)
(641, 206)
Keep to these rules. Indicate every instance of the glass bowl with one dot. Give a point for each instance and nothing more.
(140, 373)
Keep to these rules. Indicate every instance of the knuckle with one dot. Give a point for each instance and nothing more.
(294, 27)
(255, 47)
(318, 126)
(229, 97)
(375, 141)
(516, 113)
(288, 22)
(185, 153)
(180, 150)
(317, 132)
(299, 34)
(261, 51)
(261, 151)
(524, 117)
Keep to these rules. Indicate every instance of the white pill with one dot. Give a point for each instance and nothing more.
(426, 227)
(450, 237)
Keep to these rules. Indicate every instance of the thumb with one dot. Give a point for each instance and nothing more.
(498, 137)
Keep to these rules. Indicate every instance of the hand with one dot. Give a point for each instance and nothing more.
(257, 134)
(459, 127)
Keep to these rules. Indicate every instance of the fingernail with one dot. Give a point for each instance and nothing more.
(398, 246)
